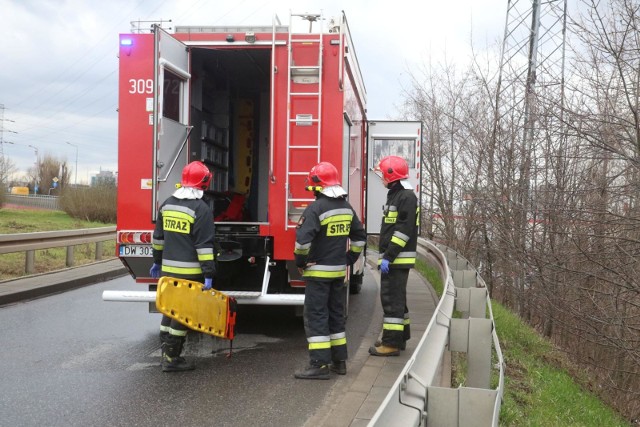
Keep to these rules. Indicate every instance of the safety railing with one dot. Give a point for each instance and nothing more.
(33, 201)
(30, 242)
(462, 322)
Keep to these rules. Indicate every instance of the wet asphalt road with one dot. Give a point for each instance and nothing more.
(74, 360)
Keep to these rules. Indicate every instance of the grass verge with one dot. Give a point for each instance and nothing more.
(14, 221)
(539, 391)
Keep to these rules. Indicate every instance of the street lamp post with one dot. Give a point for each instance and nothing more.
(36, 150)
(37, 177)
(76, 174)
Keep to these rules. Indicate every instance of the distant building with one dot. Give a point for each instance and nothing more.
(104, 178)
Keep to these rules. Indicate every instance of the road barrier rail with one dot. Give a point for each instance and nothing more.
(36, 201)
(30, 242)
(462, 322)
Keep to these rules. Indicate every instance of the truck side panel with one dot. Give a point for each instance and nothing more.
(135, 103)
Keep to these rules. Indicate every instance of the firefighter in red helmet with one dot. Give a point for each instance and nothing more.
(183, 248)
(398, 241)
(329, 237)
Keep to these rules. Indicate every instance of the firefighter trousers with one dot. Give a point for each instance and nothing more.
(172, 327)
(324, 321)
(393, 296)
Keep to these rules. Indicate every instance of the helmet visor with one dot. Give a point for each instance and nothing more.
(312, 183)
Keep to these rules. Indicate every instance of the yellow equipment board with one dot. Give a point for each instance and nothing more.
(210, 312)
(244, 155)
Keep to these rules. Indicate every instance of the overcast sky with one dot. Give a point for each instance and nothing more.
(59, 66)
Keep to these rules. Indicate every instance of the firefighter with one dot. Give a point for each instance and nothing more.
(398, 241)
(322, 237)
(183, 248)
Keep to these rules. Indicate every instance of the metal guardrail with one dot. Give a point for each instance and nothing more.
(33, 201)
(420, 396)
(30, 242)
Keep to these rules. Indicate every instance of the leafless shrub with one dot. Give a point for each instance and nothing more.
(96, 203)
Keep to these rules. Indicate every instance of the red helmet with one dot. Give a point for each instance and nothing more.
(322, 175)
(393, 168)
(197, 175)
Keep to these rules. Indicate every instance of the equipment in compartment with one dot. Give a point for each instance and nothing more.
(246, 139)
(226, 103)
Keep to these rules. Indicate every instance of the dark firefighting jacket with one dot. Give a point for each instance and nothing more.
(183, 238)
(400, 222)
(324, 229)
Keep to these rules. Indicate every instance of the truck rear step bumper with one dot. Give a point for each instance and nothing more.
(243, 297)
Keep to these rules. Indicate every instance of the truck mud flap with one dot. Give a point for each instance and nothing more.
(210, 312)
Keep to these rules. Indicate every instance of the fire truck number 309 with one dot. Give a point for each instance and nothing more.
(141, 86)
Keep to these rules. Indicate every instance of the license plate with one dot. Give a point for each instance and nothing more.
(136, 250)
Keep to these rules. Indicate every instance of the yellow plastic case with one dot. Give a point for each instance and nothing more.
(204, 311)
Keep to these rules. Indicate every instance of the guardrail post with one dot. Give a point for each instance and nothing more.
(70, 260)
(473, 336)
(98, 251)
(462, 406)
(30, 262)
(465, 278)
(472, 302)
(479, 360)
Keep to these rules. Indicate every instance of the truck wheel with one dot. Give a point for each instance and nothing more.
(355, 283)
(355, 288)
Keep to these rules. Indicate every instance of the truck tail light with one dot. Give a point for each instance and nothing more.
(134, 237)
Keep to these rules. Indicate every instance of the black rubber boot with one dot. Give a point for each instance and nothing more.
(171, 359)
(176, 364)
(339, 367)
(314, 373)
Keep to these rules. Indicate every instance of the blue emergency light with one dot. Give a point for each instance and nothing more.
(126, 42)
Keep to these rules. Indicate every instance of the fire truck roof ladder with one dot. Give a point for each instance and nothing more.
(308, 74)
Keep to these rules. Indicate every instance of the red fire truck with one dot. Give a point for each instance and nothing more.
(259, 106)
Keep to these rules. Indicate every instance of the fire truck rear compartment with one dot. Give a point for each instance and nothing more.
(230, 118)
(230, 114)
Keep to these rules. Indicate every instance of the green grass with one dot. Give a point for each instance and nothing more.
(432, 275)
(13, 221)
(30, 220)
(539, 390)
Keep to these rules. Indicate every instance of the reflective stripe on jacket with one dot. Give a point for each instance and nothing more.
(399, 229)
(322, 234)
(183, 238)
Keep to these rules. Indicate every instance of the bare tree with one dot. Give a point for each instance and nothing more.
(49, 170)
(602, 325)
(545, 200)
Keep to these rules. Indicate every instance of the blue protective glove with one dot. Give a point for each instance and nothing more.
(155, 271)
(384, 266)
(208, 283)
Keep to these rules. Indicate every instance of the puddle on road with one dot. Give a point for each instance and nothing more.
(201, 345)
